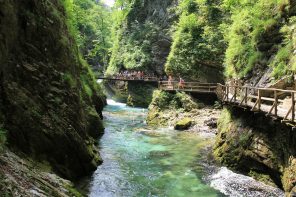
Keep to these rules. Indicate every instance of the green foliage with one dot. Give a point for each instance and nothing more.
(284, 61)
(198, 40)
(253, 34)
(2, 137)
(180, 100)
(90, 24)
(161, 99)
(134, 51)
(133, 37)
(68, 78)
(72, 191)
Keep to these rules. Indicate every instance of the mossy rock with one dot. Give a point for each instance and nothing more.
(130, 101)
(183, 124)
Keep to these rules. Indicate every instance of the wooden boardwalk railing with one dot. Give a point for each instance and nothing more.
(278, 103)
(188, 86)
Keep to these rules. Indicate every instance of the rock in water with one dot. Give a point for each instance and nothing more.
(183, 124)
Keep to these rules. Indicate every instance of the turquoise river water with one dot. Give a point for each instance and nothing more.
(144, 161)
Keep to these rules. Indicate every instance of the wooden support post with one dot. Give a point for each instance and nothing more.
(259, 99)
(275, 103)
(287, 115)
(293, 106)
(256, 103)
(246, 95)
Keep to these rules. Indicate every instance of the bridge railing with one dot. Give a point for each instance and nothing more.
(188, 86)
(275, 102)
(130, 78)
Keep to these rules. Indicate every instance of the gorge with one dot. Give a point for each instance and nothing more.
(61, 136)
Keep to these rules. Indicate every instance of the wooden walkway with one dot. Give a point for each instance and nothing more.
(276, 103)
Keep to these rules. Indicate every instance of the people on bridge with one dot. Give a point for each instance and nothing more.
(181, 83)
(170, 79)
(135, 75)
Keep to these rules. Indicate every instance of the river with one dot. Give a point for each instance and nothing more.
(143, 161)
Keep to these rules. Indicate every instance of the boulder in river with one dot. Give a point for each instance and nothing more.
(183, 124)
(159, 154)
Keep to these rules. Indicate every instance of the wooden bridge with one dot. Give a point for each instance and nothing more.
(145, 79)
(276, 103)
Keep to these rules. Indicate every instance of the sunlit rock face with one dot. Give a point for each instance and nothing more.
(48, 101)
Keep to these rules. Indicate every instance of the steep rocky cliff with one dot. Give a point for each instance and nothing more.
(260, 52)
(258, 146)
(49, 102)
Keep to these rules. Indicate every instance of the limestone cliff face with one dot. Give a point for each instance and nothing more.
(144, 39)
(258, 146)
(48, 100)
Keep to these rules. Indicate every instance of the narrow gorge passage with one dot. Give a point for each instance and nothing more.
(143, 161)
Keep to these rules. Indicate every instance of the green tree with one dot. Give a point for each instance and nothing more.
(92, 24)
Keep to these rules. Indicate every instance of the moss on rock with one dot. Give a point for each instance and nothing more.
(183, 124)
(246, 142)
(49, 100)
(166, 107)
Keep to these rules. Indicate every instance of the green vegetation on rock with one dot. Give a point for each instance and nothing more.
(164, 102)
(259, 35)
(50, 103)
(198, 47)
(141, 36)
(2, 138)
(90, 24)
(183, 124)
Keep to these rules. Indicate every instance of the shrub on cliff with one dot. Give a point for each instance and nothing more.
(141, 38)
(255, 37)
(198, 46)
